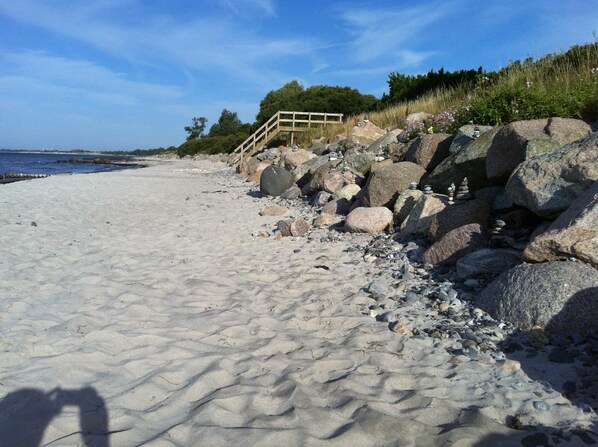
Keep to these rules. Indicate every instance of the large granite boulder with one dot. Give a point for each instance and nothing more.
(358, 160)
(275, 180)
(559, 297)
(457, 215)
(365, 134)
(303, 173)
(384, 141)
(464, 135)
(347, 192)
(316, 180)
(405, 203)
(456, 244)
(522, 140)
(368, 220)
(429, 150)
(255, 173)
(550, 183)
(469, 162)
(573, 233)
(488, 262)
(333, 181)
(338, 206)
(420, 217)
(292, 159)
(384, 185)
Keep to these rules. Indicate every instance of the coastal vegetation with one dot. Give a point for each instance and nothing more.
(561, 84)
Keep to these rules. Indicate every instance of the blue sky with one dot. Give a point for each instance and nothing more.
(126, 74)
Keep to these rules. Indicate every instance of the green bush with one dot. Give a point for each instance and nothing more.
(211, 145)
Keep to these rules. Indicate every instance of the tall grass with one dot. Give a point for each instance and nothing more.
(563, 84)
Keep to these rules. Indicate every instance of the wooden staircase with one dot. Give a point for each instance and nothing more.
(281, 122)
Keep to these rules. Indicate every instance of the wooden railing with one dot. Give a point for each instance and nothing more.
(281, 122)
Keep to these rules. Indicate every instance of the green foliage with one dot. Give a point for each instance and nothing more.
(319, 98)
(228, 124)
(563, 85)
(195, 131)
(407, 87)
(212, 145)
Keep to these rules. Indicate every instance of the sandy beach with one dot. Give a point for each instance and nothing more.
(139, 308)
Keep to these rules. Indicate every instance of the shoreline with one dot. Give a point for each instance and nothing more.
(149, 287)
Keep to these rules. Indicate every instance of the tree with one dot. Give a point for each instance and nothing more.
(195, 131)
(228, 124)
(288, 97)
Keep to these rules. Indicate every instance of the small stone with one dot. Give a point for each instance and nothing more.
(443, 307)
(399, 328)
(33, 224)
(510, 365)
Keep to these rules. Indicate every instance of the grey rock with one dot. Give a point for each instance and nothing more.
(320, 198)
(275, 180)
(550, 183)
(384, 185)
(559, 297)
(573, 234)
(469, 162)
(457, 215)
(488, 262)
(464, 135)
(429, 150)
(292, 193)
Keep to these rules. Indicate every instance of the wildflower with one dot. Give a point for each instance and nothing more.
(528, 84)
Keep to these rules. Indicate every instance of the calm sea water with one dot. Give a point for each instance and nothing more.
(42, 163)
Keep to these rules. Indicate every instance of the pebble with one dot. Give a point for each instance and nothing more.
(33, 224)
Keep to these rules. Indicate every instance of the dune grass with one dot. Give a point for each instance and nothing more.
(561, 84)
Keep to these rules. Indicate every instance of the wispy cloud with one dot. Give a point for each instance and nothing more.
(394, 30)
(243, 8)
(198, 43)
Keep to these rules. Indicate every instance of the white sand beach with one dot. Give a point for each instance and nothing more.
(139, 309)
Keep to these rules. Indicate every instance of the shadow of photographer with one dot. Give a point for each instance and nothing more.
(26, 413)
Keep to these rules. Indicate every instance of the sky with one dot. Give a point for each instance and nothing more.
(128, 74)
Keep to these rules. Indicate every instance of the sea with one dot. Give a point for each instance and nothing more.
(44, 163)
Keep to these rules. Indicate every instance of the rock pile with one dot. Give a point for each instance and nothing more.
(526, 192)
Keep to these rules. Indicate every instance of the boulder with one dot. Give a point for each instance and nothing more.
(384, 141)
(573, 233)
(377, 165)
(488, 262)
(292, 159)
(420, 217)
(397, 151)
(359, 160)
(368, 220)
(339, 206)
(292, 193)
(456, 244)
(429, 150)
(320, 198)
(489, 194)
(347, 192)
(550, 183)
(303, 173)
(457, 215)
(405, 203)
(332, 182)
(256, 175)
(293, 227)
(522, 140)
(327, 220)
(274, 211)
(275, 180)
(316, 181)
(464, 135)
(469, 162)
(319, 148)
(252, 164)
(384, 185)
(559, 297)
(366, 134)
